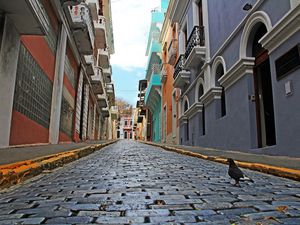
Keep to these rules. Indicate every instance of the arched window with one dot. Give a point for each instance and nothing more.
(200, 91)
(185, 108)
(219, 74)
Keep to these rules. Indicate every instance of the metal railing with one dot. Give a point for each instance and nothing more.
(179, 66)
(196, 38)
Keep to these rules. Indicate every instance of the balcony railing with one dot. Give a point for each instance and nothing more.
(196, 38)
(172, 51)
(179, 66)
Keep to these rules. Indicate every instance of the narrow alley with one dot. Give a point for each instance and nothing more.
(132, 183)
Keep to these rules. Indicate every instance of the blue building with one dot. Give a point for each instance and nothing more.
(238, 72)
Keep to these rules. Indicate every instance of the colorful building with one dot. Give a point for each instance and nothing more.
(54, 70)
(125, 128)
(141, 114)
(153, 96)
(170, 95)
(238, 77)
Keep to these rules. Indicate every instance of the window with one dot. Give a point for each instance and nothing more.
(288, 62)
(33, 90)
(219, 74)
(126, 122)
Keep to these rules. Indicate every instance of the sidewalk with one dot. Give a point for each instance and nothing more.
(22, 162)
(276, 165)
(17, 154)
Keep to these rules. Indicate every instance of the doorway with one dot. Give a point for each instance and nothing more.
(266, 135)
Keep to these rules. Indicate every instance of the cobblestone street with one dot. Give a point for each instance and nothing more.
(132, 183)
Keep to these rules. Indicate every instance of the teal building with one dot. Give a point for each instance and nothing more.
(153, 95)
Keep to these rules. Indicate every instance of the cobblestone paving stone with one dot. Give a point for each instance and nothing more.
(133, 183)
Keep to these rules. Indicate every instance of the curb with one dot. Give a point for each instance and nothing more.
(15, 173)
(292, 174)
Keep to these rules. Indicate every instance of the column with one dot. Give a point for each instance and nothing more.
(85, 110)
(58, 87)
(181, 42)
(8, 70)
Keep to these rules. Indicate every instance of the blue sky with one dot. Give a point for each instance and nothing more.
(126, 82)
(131, 21)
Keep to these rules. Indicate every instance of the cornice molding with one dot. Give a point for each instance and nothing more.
(283, 30)
(210, 95)
(183, 119)
(194, 109)
(237, 71)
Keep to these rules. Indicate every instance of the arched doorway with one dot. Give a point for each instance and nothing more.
(266, 135)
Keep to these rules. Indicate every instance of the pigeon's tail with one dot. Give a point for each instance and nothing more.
(248, 179)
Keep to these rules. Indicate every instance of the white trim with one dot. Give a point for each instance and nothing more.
(205, 18)
(294, 3)
(185, 99)
(210, 95)
(180, 5)
(237, 71)
(199, 81)
(194, 109)
(165, 123)
(8, 72)
(219, 60)
(257, 17)
(174, 112)
(195, 13)
(283, 30)
(58, 85)
(183, 119)
(193, 84)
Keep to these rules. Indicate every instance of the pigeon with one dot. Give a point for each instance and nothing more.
(235, 173)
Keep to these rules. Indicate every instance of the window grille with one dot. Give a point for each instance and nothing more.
(33, 90)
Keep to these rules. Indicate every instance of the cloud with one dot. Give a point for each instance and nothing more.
(131, 22)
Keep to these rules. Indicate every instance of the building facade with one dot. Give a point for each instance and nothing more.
(153, 96)
(51, 67)
(141, 114)
(170, 95)
(125, 128)
(239, 77)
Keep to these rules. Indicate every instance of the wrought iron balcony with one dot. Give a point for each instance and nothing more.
(195, 48)
(83, 28)
(172, 51)
(179, 66)
(181, 76)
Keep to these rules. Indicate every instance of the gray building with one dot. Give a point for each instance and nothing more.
(238, 72)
